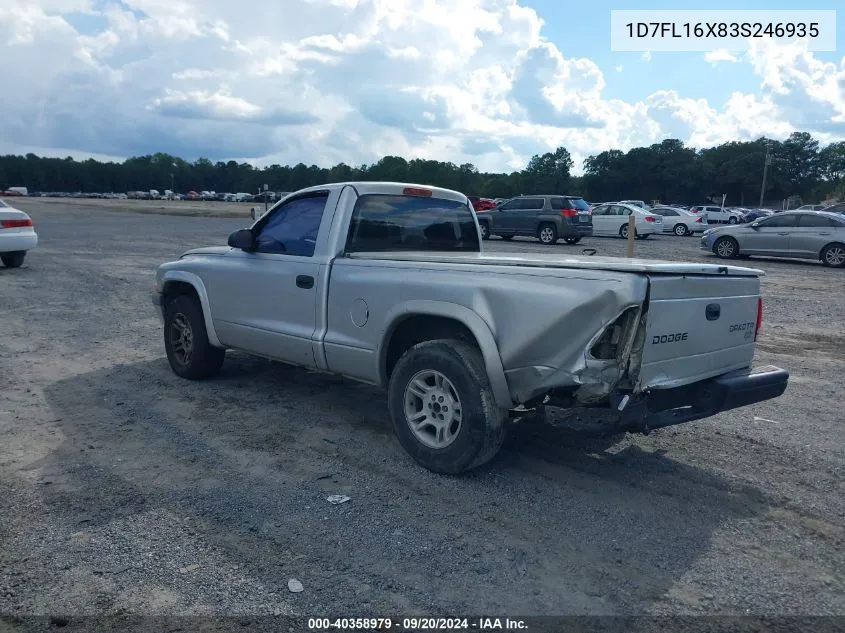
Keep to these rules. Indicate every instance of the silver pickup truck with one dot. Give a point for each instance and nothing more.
(388, 284)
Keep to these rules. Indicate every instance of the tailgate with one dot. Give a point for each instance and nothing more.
(697, 327)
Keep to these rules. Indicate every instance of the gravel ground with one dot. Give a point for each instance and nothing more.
(125, 490)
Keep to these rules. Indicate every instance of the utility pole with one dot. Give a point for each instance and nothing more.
(766, 164)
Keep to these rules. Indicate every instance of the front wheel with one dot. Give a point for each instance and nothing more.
(681, 230)
(732, 220)
(189, 351)
(834, 256)
(547, 234)
(13, 260)
(485, 230)
(442, 407)
(726, 248)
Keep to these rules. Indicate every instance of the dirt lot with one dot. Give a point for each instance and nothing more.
(124, 489)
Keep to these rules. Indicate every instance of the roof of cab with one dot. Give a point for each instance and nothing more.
(386, 188)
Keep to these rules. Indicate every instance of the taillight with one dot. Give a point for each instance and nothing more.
(650, 218)
(698, 220)
(569, 213)
(15, 224)
(417, 191)
(759, 317)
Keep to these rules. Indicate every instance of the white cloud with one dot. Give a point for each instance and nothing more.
(720, 55)
(351, 80)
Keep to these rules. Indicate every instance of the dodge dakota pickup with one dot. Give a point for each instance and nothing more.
(387, 283)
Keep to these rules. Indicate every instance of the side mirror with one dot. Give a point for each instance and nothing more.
(755, 225)
(242, 239)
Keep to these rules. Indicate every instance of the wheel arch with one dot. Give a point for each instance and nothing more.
(180, 282)
(418, 320)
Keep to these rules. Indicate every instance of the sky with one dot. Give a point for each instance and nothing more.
(488, 82)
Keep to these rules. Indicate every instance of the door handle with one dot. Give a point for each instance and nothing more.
(305, 281)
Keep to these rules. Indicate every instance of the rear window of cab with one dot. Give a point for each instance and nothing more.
(411, 223)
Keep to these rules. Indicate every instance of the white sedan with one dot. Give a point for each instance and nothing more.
(681, 222)
(611, 218)
(16, 235)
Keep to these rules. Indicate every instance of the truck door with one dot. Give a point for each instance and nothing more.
(265, 301)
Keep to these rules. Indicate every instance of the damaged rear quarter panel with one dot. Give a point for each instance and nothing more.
(546, 325)
(543, 320)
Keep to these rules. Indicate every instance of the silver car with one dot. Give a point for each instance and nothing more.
(814, 235)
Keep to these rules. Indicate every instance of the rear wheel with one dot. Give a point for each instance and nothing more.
(547, 234)
(623, 231)
(13, 260)
(443, 409)
(485, 230)
(732, 220)
(572, 240)
(189, 351)
(833, 255)
(681, 230)
(726, 248)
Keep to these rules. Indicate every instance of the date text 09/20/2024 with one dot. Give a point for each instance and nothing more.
(417, 624)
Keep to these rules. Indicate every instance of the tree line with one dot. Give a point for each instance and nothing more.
(668, 171)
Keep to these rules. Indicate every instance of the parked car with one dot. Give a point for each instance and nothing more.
(17, 235)
(679, 221)
(717, 215)
(388, 284)
(839, 207)
(756, 214)
(811, 207)
(546, 217)
(637, 203)
(481, 204)
(611, 218)
(816, 235)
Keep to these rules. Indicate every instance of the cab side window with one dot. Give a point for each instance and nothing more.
(292, 228)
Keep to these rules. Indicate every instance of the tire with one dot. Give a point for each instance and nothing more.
(183, 319)
(732, 220)
(485, 230)
(833, 255)
(726, 248)
(572, 240)
(481, 430)
(681, 230)
(547, 234)
(13, 260)
(643, 237)
(623, 231)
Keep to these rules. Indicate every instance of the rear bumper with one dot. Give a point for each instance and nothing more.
(576, 230)
(668, 407)
(14, 242)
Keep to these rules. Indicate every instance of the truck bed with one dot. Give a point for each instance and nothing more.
(551, 260)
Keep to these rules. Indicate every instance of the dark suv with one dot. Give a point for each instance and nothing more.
(548, 218)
